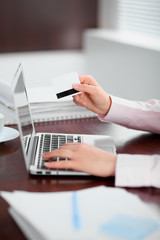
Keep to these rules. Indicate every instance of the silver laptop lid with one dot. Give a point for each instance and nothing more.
(23, 114)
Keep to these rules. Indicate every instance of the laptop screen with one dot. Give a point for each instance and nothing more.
(22, 108)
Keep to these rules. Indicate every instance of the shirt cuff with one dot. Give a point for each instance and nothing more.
(117, 109)
(133, 170)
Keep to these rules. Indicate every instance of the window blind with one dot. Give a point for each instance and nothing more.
(138, 15)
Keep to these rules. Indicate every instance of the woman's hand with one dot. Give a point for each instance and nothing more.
(84, 158)
(93, 97)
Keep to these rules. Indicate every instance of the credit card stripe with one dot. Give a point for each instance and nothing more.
(66, 93)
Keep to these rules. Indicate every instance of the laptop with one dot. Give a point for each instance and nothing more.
(35, 143)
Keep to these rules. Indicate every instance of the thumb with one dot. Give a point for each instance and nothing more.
(84, 88)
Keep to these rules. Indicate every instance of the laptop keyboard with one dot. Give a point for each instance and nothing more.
(49, 142)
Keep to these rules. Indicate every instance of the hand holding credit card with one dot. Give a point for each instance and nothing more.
(63, 84)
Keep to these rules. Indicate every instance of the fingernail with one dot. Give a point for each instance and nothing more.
(76, 85)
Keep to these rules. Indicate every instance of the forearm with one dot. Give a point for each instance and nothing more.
(133, 114)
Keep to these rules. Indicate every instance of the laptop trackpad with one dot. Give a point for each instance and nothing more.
(107, 149)
(106, 144)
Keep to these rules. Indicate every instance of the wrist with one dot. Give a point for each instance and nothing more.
(109, 169)
(107, 109)
(114, 163)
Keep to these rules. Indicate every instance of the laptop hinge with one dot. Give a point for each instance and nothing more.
(34, 150)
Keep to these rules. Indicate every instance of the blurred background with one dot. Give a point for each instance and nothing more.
(116, 41)
(45, 24)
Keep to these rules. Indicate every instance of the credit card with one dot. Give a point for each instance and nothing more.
(63, 84)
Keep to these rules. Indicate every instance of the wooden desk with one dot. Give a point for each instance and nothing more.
(13, 175)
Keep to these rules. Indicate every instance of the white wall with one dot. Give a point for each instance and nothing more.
(40, 67)
(123, 68)
(125, 65)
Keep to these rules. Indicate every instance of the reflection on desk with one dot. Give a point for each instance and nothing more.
(13, 175)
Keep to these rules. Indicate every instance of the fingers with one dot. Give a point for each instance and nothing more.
(60, 152)
(78, 99)
(67, 164)
(65, 151)
(87, 79)
(84, 88)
